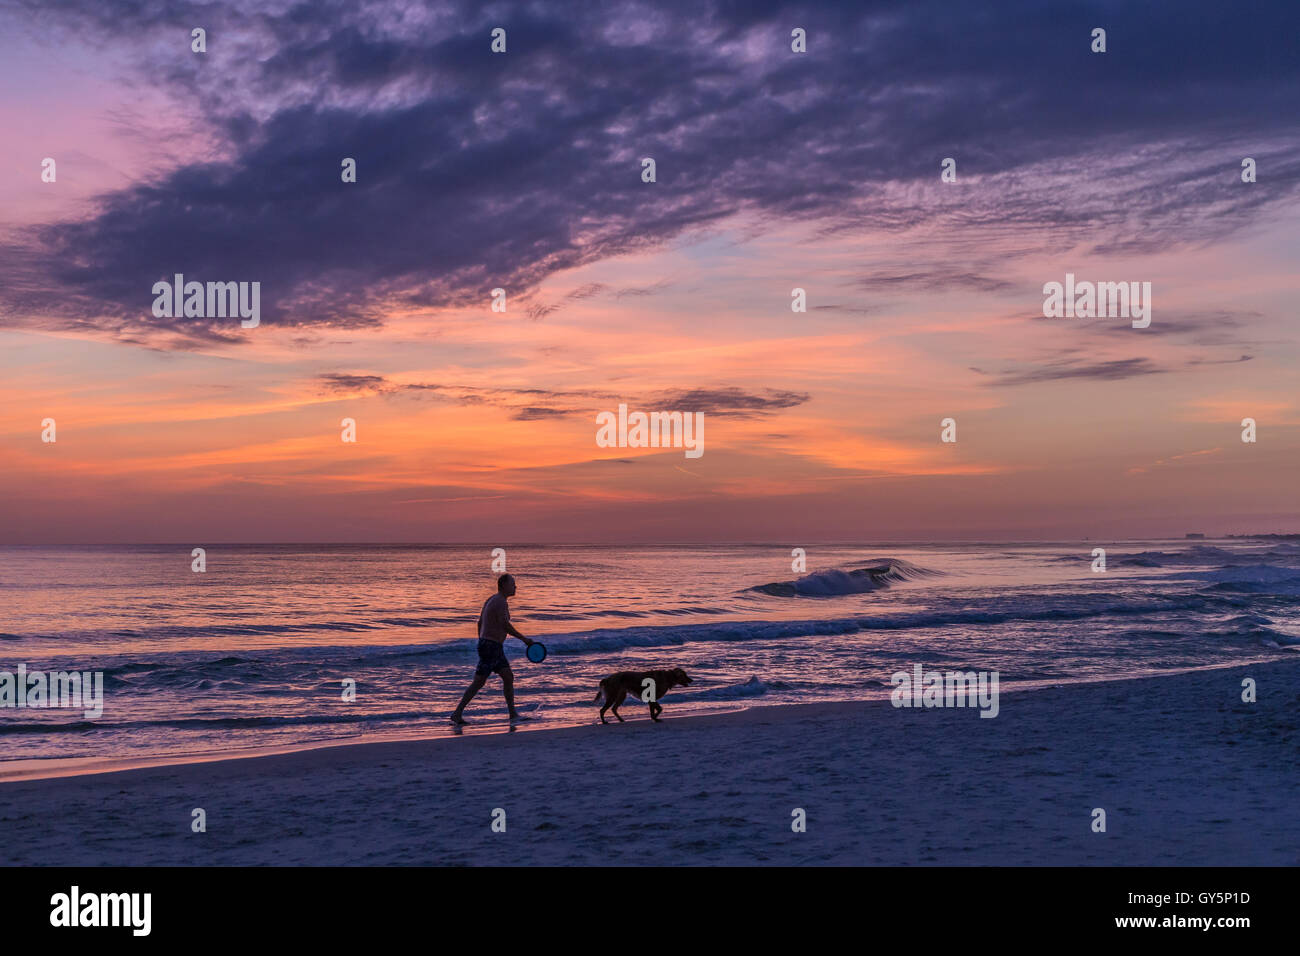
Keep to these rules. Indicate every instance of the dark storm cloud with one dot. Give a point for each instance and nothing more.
(478, 170)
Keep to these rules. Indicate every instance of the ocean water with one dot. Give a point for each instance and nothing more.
(253, 652)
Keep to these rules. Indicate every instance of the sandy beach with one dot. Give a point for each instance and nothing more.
(1188, 775)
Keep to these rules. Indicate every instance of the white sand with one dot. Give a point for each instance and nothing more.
(1187, 774)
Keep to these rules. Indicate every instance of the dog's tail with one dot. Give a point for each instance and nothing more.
(600, 695)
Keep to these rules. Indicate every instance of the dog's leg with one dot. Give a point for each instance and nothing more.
(618, 701)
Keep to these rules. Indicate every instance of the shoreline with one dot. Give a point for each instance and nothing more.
(1187, 773)
(57, 768)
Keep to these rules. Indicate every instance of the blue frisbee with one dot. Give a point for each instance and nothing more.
(536, 652)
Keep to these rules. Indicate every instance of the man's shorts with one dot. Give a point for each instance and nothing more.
(491, 658)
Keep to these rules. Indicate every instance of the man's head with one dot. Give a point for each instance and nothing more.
(506, 585)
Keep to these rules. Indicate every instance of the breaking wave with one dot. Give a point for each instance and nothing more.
(835, 583)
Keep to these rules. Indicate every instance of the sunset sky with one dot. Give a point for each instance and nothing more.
(522, 170)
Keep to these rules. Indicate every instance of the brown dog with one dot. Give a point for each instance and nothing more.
(616, 687)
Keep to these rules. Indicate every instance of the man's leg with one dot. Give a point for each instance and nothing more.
(475, 686)
(508, 686)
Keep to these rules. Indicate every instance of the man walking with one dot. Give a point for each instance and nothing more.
(493, 628)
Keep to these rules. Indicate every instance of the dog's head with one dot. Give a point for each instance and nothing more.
(680, 676)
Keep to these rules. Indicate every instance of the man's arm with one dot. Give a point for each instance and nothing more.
(510, 629)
